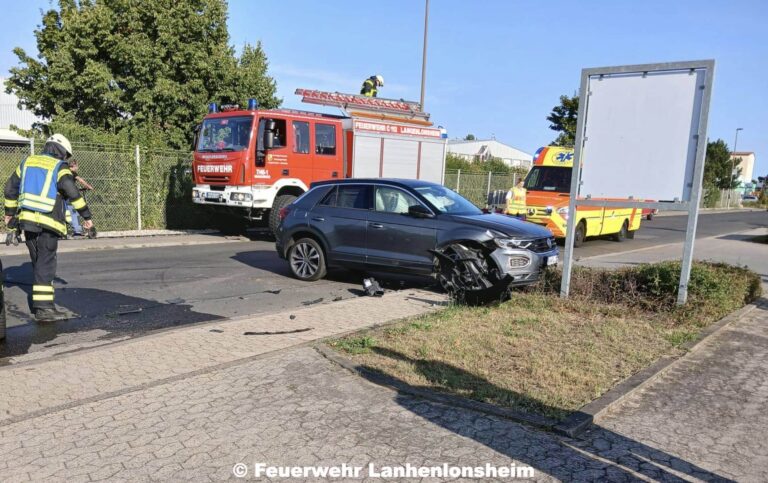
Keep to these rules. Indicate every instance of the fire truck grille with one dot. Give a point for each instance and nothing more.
(216, 179)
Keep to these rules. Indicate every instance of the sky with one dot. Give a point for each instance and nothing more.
(495, 68)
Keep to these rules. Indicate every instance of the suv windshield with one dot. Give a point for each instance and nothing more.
(447, 201)
(549, 178)
(225, 134)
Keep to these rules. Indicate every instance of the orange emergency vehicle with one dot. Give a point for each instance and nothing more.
(548, 187)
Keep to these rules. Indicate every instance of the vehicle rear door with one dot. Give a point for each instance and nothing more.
(395, 239)
(341, 218)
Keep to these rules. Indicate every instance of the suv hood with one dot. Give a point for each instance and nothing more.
(506, 225)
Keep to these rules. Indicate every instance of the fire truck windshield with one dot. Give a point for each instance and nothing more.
(549, 178)
(225, 134)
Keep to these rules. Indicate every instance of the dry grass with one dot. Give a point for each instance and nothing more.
(540, 353)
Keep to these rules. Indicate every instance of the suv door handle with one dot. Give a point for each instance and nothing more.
(318, 218)
(375, 225)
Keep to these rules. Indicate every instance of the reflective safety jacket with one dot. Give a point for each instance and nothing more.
(369, 88)
(516, 201)
(36, 193)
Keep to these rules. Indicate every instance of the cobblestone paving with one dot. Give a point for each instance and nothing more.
(46, 384)
(296, 408)
(712, 407)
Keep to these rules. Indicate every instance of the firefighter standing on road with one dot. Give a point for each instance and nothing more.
(371, 85)
(516, 199)
(36, 195)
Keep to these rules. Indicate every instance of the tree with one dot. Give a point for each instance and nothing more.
(719, 170)
(137, 69)
(469, 137)
(563, 120)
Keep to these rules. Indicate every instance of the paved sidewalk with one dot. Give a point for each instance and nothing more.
(711, 407)
(34, 388)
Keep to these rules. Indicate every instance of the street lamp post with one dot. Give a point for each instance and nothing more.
(733, 166)
(424, 55)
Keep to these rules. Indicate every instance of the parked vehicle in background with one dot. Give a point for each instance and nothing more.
(411, 227)
(749, 198)
(548, 187)
(252, 162)
(649, 213)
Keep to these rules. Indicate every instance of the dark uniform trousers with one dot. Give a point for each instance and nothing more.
(42, 250)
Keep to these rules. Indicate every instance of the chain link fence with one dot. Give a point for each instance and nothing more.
(480, 188)
(134, 189)
(137, 189)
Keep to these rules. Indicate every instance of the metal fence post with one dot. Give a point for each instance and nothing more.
(458, 181)
(138, 188)
(32, 146)
(488, 192)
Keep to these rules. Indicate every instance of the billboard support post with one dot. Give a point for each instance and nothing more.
(690, 197)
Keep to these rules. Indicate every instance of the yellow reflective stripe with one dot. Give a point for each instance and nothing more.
(63, 172)
(48, 180)
(79, 203)
(41, 161)
(35, 204)
(38, 198)
(42, 298)
(42, 219)
(68, 217)
(42, 288)
(18, 171)
(11, 203)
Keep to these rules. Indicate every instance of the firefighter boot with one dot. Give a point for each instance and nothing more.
(50, 315)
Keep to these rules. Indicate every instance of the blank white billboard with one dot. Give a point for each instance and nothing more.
(640, 135)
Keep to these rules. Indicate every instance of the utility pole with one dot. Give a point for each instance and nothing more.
(733, 166)
(424, 55)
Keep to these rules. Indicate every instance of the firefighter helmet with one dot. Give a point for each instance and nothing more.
(61, 141)
(380, 80)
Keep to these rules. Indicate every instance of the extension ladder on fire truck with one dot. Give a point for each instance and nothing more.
(363, 106)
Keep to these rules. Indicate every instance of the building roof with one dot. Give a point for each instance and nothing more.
(8, 136)
(496, 148)
(10, 114)
(742, 153)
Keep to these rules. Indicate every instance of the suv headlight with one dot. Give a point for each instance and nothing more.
(512, 242)
(563, 212)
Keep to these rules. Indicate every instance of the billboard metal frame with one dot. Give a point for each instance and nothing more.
(692, 206)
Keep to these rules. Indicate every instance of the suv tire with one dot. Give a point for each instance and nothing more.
(307, 260)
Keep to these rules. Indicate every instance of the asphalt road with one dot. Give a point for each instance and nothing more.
(129, 292)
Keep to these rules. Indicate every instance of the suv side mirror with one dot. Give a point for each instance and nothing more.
(419, 211)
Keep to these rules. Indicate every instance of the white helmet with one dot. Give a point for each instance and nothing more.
(380, 80)
(61, 141)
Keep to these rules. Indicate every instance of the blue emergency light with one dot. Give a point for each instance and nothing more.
(212, 107)
(253, 104)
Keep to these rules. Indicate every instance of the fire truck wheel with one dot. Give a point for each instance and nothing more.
(307, 260)
(622, 234)
(274, 215)
(580, 235)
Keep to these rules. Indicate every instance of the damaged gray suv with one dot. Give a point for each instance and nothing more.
(410, 227)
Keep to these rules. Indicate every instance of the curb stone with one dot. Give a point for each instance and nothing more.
(592, 412)
(541, 422)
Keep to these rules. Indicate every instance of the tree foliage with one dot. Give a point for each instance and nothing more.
(138, 70)
(719, 171)
(495, 165)
(469, 137)
(563, 120)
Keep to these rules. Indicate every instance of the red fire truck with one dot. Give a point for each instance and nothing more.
(253, 162)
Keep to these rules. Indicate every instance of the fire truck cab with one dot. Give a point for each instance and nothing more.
(253, 162)
(548, 187)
